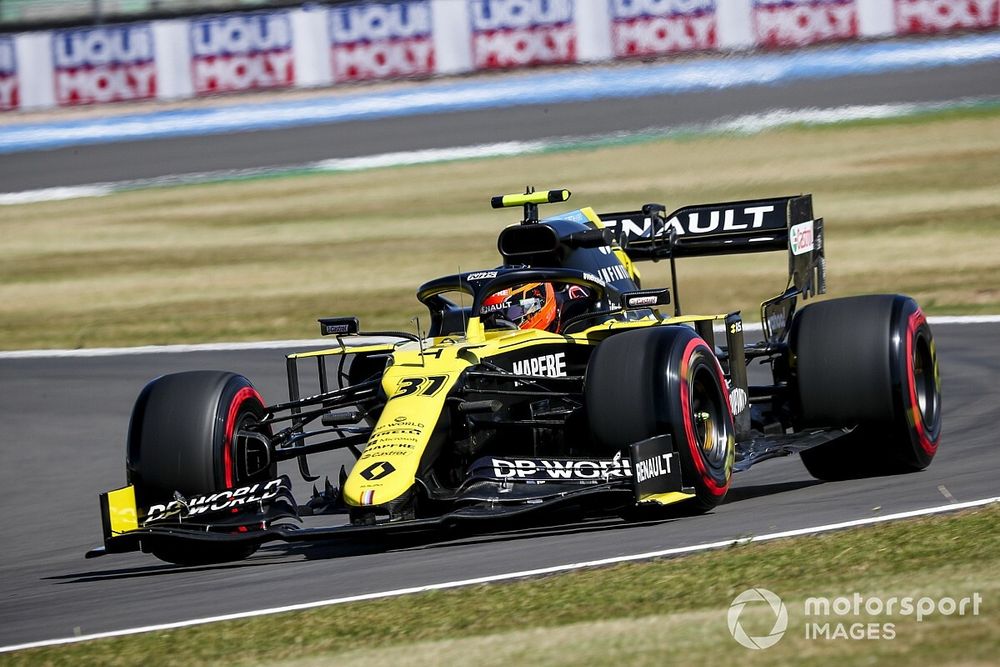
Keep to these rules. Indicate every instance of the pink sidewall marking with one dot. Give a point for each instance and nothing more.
(234, 408)
(713, 486)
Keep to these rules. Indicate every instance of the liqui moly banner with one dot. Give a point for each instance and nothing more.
(655, 27)
(513, 33)
(9, 98)
(798, 22)
(929, 16)
(381, 40)
(241, 52)
(108, 64)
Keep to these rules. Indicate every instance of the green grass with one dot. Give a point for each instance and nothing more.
(911, 205)
(653, 613)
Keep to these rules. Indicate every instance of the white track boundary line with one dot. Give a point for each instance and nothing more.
(677, 551)
(313, 342)
(161, 349)
(744, 124)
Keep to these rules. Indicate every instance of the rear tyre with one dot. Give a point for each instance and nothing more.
(649, 382)
(869, 362)
(182, 438)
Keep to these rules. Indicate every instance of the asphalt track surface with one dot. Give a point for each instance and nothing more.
(84, 165)
(64, 419)
(63, 443)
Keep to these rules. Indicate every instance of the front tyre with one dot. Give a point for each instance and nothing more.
(660, 380)
(868, 362)
(182, 438)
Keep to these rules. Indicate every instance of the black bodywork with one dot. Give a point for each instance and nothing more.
(496, 412)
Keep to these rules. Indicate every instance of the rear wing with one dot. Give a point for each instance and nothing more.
(756, 225)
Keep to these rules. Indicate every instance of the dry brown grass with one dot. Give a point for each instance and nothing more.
(910, 206)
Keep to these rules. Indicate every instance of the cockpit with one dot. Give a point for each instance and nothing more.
(518, 298)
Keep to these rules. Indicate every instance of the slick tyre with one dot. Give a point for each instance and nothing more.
(665, 380)
(182, 438)
(867, 362)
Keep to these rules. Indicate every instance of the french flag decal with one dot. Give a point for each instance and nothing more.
(368, 497)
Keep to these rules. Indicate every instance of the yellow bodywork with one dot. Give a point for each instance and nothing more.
(666, 498)
(540, 197)
(417, 384)
(346, 349)
(122, 513)
(619, 252)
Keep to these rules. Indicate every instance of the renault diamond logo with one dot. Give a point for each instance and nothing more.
(378, 471)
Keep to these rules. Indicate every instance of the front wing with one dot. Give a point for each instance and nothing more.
(501, 489)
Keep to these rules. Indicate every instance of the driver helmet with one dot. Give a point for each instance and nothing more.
(535, 305)
(529, 306)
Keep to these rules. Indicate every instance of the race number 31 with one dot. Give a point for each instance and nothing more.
(424, 386)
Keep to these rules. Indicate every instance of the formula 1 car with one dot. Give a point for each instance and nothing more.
(552, 381)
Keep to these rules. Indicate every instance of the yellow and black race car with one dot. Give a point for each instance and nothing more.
(553, 381)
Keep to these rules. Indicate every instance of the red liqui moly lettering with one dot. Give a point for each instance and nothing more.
(241, 52)
(930, 16)
(780, 23)
(654, 27)
(381, 40)
(515, 33)
(108, 64)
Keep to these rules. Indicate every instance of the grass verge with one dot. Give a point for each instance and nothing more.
(911, 206)
(651, 613)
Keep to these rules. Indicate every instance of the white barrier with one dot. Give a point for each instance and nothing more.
(322, 46)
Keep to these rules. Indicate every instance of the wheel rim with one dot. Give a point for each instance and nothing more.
(925, 382)
(235, 451)
(708, 418)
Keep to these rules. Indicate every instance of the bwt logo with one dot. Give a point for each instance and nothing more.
(104, 64)
(650, 27)
(376, 41)
(8, 76)
(242, 53)
(799, 22)
(511, 33)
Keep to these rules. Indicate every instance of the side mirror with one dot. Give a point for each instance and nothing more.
(339, 326)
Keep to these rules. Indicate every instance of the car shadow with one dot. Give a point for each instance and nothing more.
(156, 570)
(442, 538)
(460, 537)
(739, 493)
(277, 553)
